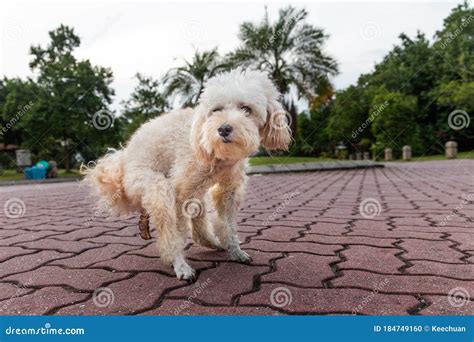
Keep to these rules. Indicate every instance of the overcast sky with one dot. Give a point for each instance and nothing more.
(151, 37)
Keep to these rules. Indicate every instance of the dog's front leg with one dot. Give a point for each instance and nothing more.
(226, 198)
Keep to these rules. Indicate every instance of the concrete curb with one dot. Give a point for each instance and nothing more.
(42, 181)
(259, 169)
(316, 166)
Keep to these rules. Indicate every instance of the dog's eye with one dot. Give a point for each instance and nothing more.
(218, 109)
(246, 109)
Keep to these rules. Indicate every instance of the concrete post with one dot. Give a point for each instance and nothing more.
(406, 153)
(366, 155)
(451, 150)
(388, 154)
(358, 156)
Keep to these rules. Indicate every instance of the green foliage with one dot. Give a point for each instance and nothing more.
(291, 51)
(406, 100)
(187, 81)
(421, 83)
(145, 103)
(71, 92)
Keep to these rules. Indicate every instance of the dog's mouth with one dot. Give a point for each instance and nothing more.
(226, 140)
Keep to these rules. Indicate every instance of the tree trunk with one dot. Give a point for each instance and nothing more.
(67, 162)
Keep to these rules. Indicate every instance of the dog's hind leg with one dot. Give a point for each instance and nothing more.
(202, 231)
(158, 200)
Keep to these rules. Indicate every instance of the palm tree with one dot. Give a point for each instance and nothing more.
(290, 50)
(188, 81)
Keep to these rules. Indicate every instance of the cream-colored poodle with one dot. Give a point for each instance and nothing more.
(174, 160)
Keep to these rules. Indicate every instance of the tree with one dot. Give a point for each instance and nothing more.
(17, 101)
(291, 51)
(392, 126)
(453, 95)
(187, 81)
(145, 103)
(74, 100)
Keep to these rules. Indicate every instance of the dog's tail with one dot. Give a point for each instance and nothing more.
(105, 177)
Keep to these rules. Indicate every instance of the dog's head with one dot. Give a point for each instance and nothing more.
(238, 111)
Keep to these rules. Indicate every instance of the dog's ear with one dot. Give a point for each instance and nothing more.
(276, 133)
(199, 151)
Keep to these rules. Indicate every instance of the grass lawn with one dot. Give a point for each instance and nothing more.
(9, 175)
(461, 155)
(284, 160)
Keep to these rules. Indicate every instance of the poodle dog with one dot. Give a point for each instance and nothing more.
(173, 161)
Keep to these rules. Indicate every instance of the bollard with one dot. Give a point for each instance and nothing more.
(406, 153)
(351, 156)
(388, 154)
(358, 156)
(366, 155)
(451, 150)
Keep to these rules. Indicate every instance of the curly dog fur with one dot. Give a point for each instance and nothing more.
(174, 160)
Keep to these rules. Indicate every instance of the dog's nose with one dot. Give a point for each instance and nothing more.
(224, 130)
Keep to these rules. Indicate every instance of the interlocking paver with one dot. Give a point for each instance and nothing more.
(318, 247)
(302, 269)
(324, 301)
(40, 302)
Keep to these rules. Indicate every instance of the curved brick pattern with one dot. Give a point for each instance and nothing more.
(8, 292)
(23, 264)
(301, 269)
(441, 305)
(459, 271)
(382, 260)
(124, 297)
(401, 283)
(316, 245)
(186, 307)
(222, 283)
(326, 301)
(80, 279)
(432, 250)
(40, 302)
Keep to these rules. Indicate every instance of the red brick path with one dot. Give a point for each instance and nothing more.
(313, 252)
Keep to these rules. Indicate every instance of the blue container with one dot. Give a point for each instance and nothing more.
(35, 172)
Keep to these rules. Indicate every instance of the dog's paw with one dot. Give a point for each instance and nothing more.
(240, 256)
(184, 271)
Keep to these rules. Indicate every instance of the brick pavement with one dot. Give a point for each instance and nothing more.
(313, 250)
